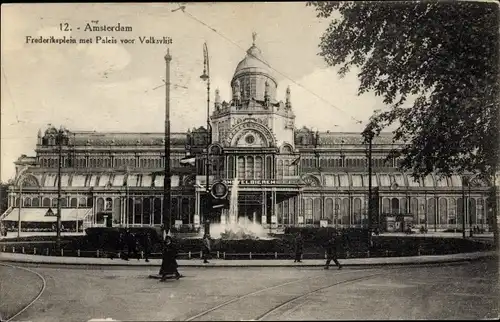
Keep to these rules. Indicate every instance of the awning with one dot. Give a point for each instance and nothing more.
(38, 214)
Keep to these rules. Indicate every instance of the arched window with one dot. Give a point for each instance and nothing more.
(308, 210)
(386, 206)
(431, 211)
(456, 211)
(54, 202)
(395, 206)
(157, 210)
(403, 206)
(100, 205)
(46, 202)
(108, 206)
(472, 212)
(344, 210)
(175, 209)
(336, 211)
(443, 211)
(27, 202)
(241, 167)
(82, 202)
(146, 211)
(230, 168)
(64, 202)
(74, 202)
(414, 209)
(249, 168)
(329, 209)
(35, 202)
(317, 209)
(357, 211)
(258, 167)
(481, 211)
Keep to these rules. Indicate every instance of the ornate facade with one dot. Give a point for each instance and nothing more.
(287, 176)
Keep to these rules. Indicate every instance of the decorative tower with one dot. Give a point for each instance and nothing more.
(217, 100)
(288, 102)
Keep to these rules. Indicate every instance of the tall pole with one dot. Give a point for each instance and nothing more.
(167, 218)
(20, 207)
(464, 182)
(370, 203)
(59, 166)
(206, 77)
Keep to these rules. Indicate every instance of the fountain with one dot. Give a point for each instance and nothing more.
(232, 227)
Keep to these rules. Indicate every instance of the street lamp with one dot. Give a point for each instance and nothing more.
(167, 193)
(206, 78)
(20, 184)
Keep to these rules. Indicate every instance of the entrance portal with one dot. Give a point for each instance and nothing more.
(250, 207)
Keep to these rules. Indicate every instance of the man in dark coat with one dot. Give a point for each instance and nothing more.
(299, 248)
(333, 248)
(207, 248)
(147, 244)
(169, 263)
(131, 245)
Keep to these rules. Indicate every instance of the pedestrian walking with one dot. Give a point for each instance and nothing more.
(333, 248)
(131, 242)
(147, 244)
(299, 248)
(207, 248)
(169, 263)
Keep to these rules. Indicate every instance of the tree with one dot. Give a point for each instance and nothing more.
(446, 55)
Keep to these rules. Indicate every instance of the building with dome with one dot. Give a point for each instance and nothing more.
(287, 176)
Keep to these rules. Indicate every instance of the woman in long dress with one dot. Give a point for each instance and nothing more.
(169, 262)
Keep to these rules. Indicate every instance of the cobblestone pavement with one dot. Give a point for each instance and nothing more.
(454, 291)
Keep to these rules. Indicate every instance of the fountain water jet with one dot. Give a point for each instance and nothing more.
(234, 227)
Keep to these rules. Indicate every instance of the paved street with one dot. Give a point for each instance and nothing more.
(458, 291)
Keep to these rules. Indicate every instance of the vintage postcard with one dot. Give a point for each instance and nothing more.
(249, 161)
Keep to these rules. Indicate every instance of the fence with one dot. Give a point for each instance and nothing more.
(99, 253)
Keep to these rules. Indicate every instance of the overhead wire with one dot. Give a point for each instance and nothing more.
(183, 9)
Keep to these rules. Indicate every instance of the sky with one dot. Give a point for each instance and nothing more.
(110, 87)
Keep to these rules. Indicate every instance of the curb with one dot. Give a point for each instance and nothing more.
(423, 260)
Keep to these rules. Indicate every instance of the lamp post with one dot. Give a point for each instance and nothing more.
(60, 135)
(20, 184)
(464, 182)
(167, 219)
(206, 77)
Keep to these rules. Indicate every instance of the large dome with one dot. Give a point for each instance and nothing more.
(254, 62)
(253, 78)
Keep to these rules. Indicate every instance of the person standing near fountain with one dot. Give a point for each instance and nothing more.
(207, 248)
(299, 248)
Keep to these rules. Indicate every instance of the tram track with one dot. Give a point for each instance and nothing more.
(42, 289)
(262, 290)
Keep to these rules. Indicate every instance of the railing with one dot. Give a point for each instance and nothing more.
(100, 253)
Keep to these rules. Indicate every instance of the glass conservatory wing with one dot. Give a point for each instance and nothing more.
(331, 180)
(159, 180)
(344, 180)
(374, 180)
(50, 180)
(118, 180)
(78, 181)
(92, 181)
(146, 180)
(399, 180)
(429, 181)
(441, 182)
(412, 182)
(132, 180)
(357, 180)
(385, 181)
(456, 181)
(104, 180)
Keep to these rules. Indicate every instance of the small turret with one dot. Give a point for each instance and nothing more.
(39, 137)
(266, 94)
(217, 99)
(236, 93)
(288, 102)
